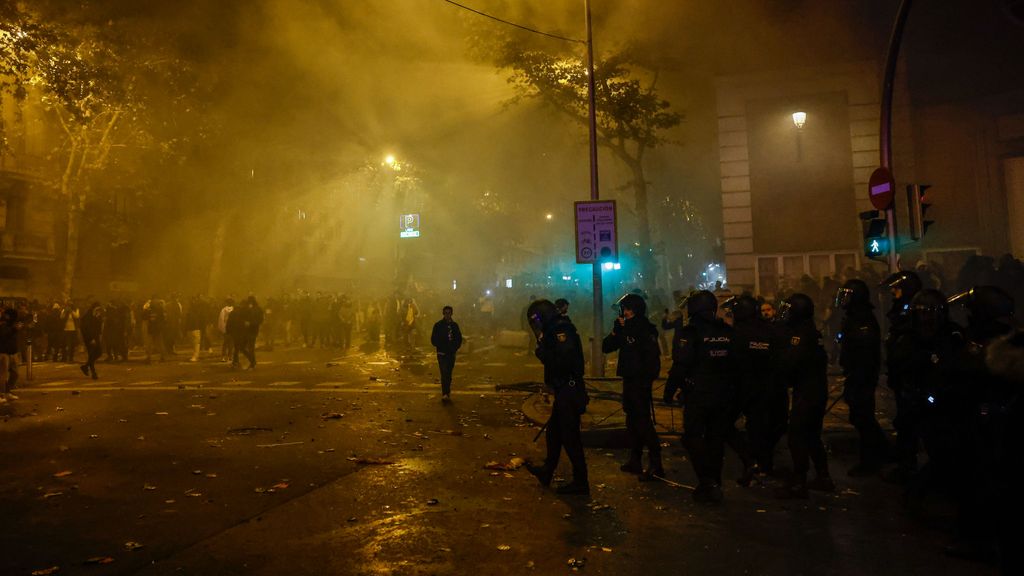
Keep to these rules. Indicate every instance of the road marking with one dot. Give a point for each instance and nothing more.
(335, 384)
(496, 364)
(294, 362)
(378, 363)
(292, 383)
(57, 383)
(193, 382)
(143, 383)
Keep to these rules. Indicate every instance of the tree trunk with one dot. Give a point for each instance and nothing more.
(71, 253)
(648, 265)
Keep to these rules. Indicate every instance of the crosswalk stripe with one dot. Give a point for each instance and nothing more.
(291, 383)
(336, 384)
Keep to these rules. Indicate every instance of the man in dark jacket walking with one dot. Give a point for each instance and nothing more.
(636, 340)
(446, 338)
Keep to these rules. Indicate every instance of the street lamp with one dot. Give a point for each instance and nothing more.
(799, 119)
(549, 216)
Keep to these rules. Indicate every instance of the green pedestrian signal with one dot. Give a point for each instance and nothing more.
(876, 241)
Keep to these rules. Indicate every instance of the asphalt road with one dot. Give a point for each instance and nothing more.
(320, 464)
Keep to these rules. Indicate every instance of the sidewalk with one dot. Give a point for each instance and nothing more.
(604, 424)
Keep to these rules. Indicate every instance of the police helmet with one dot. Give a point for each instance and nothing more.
(539, 314)
(853, 293)
(906, 281)
(702, 302)
(985, 303)
(634, 302)
(562, 304)
(743, 307)
(796, 309)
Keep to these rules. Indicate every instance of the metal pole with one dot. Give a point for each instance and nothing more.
(885, 130)
(596, 356)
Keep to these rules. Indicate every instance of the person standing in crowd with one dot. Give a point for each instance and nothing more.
(636, 340)
(803, 365)
(194, 324)
(903, 287)
(115, 331)
(249, 329)
(8, 354)
(54, 328)
(446, 338)
(347, 319)
(156, 320)
(560, 351)
(860, 357)
(272, 319)
(92, 336)
(752, 356)
(227, 349)
(702, 356)
(69, 317)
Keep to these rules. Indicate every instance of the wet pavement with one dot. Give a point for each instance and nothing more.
(320, 464)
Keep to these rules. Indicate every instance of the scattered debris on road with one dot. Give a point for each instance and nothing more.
(513, 464)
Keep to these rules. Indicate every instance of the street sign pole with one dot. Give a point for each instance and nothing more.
(596, 356)
(885, 131)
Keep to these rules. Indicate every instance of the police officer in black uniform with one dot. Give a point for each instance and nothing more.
(560, 351)
(903, 287)
(860, 357)
(988, 398)
(702, 355)
(803, 364)
(752, 354)
(932, 392)
(635, 338)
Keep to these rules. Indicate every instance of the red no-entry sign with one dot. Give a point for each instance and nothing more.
(881, 189)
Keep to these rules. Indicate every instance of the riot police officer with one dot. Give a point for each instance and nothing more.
(636, 340)
(860, 357)
(560, 351)
(803, 364)
(702, 356)
(903, 287)
(932, 390)
(752, 355)
(988, 400)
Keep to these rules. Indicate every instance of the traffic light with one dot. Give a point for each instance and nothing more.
(876, 241)
(917, 205)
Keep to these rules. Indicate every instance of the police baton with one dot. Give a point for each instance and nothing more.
(542, 429)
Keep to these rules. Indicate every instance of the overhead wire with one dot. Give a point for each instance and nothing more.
(520, 26)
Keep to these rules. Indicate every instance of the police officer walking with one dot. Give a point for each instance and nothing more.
(903, 286)
(635, 338)
(702, 356)
(560, 351)
(860, 357)
(752, 355)
(803, 364)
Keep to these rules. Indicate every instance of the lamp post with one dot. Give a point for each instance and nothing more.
(596, 356)
(799, 119)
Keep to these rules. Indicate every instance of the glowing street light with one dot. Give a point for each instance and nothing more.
(799, 119)
(549, 216)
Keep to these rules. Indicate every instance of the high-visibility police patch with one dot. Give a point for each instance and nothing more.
(794, 341)
(562, 337)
